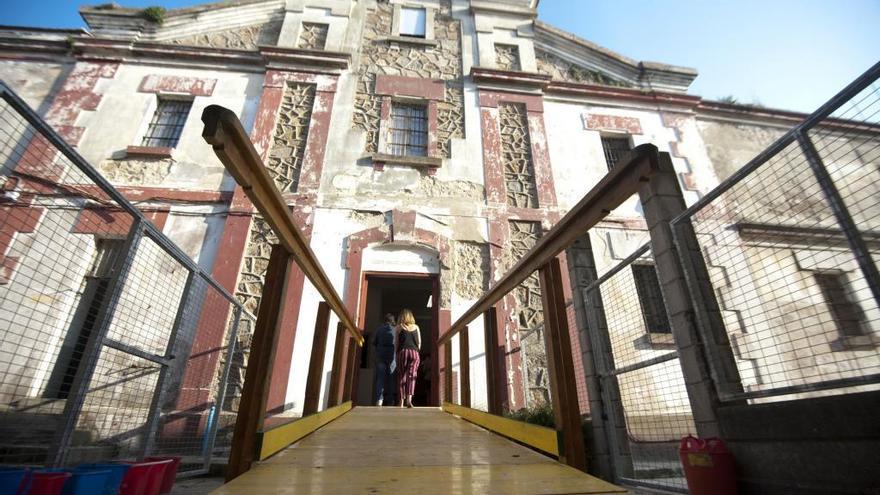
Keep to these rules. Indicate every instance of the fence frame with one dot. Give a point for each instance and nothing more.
(140, 227)
(726, 378)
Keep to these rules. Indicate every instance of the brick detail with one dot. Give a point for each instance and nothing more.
(676, 122)
(595, 122)
(193, 86)
(429, 89)
(17, 219)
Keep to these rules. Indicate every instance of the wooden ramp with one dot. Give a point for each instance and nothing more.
(422, 451)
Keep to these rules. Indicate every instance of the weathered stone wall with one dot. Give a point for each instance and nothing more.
(442, 61)
(563, 70)
(529, 314)
(242, 38)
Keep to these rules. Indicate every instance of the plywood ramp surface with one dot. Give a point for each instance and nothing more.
(421, 451)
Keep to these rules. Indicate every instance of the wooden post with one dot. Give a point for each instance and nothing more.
(563, 388)
(465, 367)
(447, 372)
(496, 381)
(255, 392)
(348, 385)
(335, 397)
(316, 362)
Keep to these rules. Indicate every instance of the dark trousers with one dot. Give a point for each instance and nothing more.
(383, 377)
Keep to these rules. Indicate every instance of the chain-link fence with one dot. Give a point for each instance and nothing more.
(640, 372)
(114, 343)
(791, 242)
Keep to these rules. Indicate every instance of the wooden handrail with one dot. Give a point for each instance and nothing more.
(224, 132)
(622, 182)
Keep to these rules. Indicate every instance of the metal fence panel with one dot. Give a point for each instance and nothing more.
(790, 242)
(643, 365)
(115, 344)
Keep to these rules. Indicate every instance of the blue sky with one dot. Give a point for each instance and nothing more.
(790, 54)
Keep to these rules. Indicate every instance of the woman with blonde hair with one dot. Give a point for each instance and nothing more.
(407, 343)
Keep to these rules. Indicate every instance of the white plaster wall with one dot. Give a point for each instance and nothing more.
(123, 116)
(35, 82)
(197, 230)
(579, 163)
(334, 13)
(508, 30)
(36, 305)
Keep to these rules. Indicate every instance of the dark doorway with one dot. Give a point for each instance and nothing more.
(390, 293)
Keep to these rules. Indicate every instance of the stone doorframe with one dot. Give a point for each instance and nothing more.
(401, 232)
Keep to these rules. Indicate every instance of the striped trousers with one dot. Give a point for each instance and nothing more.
(407, 369)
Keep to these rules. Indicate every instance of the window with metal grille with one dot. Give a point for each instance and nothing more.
(651, 299)
(409, 130)
(614, 148)
(412, 22)
(848, 316)
(93, 297)
(167, 123)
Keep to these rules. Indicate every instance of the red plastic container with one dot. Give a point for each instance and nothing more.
(46, 483)
(144, 478)
(170, 472)
(708, 466)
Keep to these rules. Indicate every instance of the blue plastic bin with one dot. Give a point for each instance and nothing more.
(11, 480)
(114, 478)
(86, 482)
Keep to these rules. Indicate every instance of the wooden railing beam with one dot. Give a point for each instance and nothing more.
(224, 132)
(464, 375)
(336, 373)
(560, 364)
(496, 378)
(255, 393)
(316, 362)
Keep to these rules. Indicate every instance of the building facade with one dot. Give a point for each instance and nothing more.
(423, 146)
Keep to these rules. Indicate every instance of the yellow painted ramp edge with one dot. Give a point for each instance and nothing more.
(278, 438)
(539, 437)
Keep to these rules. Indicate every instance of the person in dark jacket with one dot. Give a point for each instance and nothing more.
(383, 343)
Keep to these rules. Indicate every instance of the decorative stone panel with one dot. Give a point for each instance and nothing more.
(440, 61)
(313, 36)
(471, 260)
(242, 38)
(516, 155)
(291, 134)
(253, 269)
(507, 57)
(529, 314)
(565, 71)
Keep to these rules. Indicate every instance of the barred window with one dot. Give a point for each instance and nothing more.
(651, 299)
(409, 130)
(848, 315)
(167, 123)
(614, 148)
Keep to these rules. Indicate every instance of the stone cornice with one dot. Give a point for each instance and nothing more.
(485, 77)
(296, 58)
(121, 22)
(121, 50)
(511, 9)
(619, 93)
(90, 48)
(647, 75)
